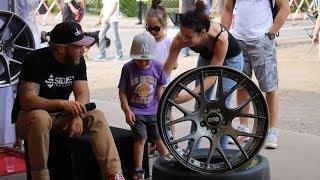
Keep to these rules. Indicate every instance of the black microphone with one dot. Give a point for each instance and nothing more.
(89, 107)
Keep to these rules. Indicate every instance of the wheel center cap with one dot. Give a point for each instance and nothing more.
(213, 119)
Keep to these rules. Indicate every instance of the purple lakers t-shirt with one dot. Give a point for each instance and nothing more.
(140, 86)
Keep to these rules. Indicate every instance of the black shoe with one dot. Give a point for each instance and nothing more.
(138, 23)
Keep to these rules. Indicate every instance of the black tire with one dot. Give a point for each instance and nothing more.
(167, 167)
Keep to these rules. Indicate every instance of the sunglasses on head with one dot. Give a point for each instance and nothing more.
(155, 28)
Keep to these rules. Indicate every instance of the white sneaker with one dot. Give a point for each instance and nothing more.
(272, 139)
(230, 140)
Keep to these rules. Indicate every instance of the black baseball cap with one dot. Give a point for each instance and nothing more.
(69, 32)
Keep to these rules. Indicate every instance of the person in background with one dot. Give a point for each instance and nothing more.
(215, 45)
(72, 10)
(255, 29)
(141, 10)
(109, 17)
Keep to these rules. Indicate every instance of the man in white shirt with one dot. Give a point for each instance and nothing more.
(109, 17)
(255, 30)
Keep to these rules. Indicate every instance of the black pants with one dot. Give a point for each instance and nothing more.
(142, 8)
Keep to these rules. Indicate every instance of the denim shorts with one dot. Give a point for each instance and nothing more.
(145, 127)
(260, 56)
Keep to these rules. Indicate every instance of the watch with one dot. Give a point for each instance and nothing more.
(271, 36)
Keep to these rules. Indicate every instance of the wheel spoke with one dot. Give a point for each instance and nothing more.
(183, 110)
(210, 155)
(12, 60)
(6, 70)
(252, 116)
(224, 157)
(13, 39)
(196, 96)
(242, 105)
(179, 120)
(22, 47)
(5, 26)
(189, 137)
(241, 148)
(234, 87)
(241, 133)
(193, 145)
(201, 83)
(220, 85)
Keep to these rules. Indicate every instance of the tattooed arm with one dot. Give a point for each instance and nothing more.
(30, 100)
(81, 91)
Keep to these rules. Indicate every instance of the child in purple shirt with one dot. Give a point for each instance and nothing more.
(140, 88)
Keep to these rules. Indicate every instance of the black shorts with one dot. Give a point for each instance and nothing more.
(145, 127)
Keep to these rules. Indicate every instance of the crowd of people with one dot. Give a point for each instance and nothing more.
(49, 75)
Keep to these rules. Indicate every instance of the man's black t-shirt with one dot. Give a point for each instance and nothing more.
(55, 79)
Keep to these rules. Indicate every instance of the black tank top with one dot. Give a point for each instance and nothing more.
(233, 47)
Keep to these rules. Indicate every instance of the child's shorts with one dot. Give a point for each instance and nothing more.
(145, 127)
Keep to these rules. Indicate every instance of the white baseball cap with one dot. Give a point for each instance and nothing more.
(143, 46)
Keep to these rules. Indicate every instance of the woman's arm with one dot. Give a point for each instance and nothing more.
(220, 50)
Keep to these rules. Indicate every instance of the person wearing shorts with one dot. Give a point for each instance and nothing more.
(256, 37)
(140, 88)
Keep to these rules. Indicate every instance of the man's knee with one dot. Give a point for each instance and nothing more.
(39, 119)
(99, 117)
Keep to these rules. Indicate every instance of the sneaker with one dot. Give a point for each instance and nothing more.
(100, 58)
(138, 23)
(243, 139)
(230, 140)
(118, 58)
(272, 139)
(138, 174)
(116, 176)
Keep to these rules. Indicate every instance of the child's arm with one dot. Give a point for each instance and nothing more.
(160, 90)
(130, 118)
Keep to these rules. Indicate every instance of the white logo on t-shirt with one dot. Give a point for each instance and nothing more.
(77, 33)
(59, 81)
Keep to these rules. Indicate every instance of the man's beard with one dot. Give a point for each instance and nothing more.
(69, 60)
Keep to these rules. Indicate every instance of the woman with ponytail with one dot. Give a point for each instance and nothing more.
(215, 45)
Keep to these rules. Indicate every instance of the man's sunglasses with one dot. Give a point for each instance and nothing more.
(155, 28)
